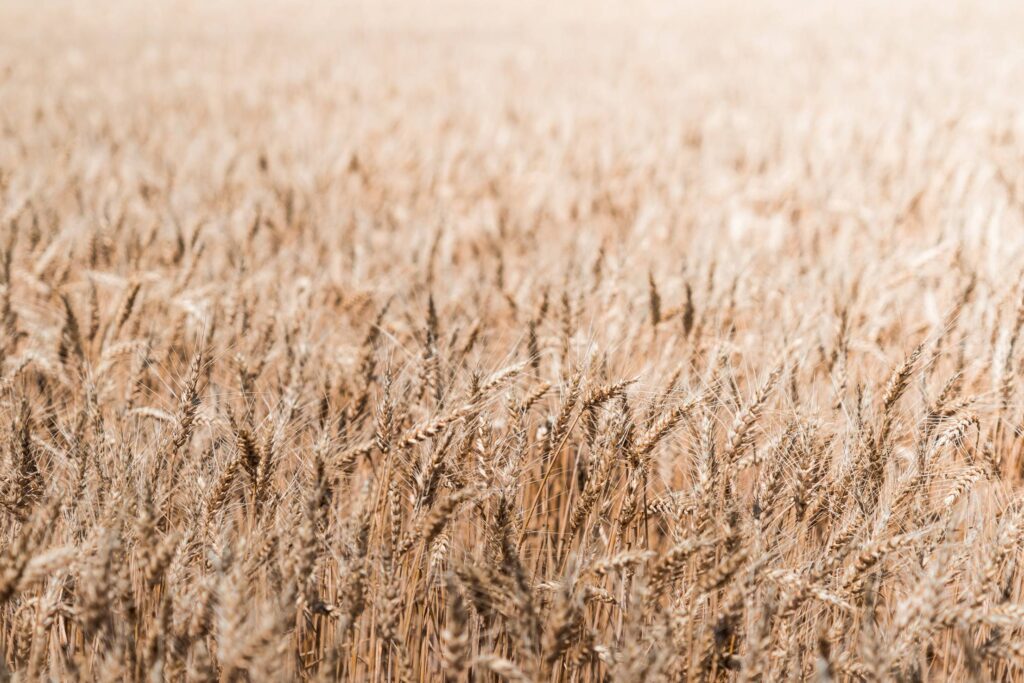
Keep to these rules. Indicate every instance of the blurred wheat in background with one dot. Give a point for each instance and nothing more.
(476, 341)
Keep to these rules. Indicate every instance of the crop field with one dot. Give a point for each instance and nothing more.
(511, 341)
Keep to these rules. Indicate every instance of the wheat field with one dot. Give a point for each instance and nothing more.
(480, 341)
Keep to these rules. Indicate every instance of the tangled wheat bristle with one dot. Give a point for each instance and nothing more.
(411, 343)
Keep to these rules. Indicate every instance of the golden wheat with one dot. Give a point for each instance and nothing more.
(534, 342)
